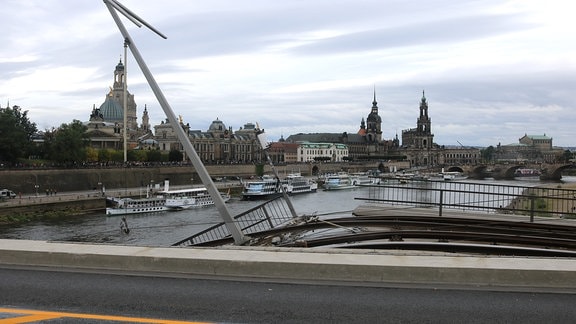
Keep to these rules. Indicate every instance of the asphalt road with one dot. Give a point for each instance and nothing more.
(226, 301)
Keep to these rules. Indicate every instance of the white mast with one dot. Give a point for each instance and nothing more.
(125, 102)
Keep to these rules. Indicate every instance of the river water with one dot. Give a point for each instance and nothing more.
(166, 228)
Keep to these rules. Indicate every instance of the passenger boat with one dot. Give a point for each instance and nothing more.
(527, 174)
(361, 178)
(338, 181)
(295, 183)
(124, 206)
(270, 187)
(187, 198)
(451, 175)
(163, 201)
(264, 188)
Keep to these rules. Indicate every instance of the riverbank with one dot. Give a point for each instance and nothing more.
(548, 200)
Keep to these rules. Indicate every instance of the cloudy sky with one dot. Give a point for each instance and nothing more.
(492, 70)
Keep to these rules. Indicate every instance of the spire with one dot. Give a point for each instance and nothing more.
(374, 102)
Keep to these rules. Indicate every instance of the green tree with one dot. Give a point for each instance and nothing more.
(175, 156)
(137, 155)
(69, 143)
(154, 156)
(487, 154)
(16, 132)
(567, 156)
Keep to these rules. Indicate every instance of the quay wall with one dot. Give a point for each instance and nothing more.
(32, 181)
(19, 210)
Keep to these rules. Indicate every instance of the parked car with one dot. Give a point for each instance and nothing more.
(5, 193)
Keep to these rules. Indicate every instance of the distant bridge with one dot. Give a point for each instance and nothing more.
(507, 171)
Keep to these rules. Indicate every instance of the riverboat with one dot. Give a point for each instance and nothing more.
(124, 206)
(295, 183)
(360, 178)
(263, 188)
(163, 201)
(338, 181)
(527, 174)
(451, 175)
(270, 187)
(188, 198)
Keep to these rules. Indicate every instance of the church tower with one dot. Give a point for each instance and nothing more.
(424, 130)
(117, 92)
(374, 123)
(145, 120)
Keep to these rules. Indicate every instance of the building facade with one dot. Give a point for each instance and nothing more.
(105, 128)
(218, 144)
(530, 148)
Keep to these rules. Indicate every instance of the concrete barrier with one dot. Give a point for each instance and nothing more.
(309, 265)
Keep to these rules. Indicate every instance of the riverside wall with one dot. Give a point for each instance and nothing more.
(30, 181)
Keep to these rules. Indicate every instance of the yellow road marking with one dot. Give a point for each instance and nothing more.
(28, 319)
(34, 316)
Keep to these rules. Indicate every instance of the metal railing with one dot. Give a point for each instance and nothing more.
(268, 215)
(491, 198)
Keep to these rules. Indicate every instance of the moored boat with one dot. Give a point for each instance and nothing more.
(162, 201)
(295, 183)
(263, 188)
(527, 174)
(338, 181)
(124, 206)
(188, 198)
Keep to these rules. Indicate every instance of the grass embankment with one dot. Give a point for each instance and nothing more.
(547, 200)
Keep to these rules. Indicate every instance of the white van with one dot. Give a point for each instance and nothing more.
(5, 193)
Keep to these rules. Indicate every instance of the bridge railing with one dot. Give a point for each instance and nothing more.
(263, 217)
(491, 198)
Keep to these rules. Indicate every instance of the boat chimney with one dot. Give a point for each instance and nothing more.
(166, 184)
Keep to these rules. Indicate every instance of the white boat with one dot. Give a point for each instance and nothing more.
(295, 183)
(124, 206)
(162, 201)
(192, 197)
(451, 175)
(360, 178)
(338, 181)
(264, 188)
(270, 187)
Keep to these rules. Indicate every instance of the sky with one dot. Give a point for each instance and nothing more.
(492, 70)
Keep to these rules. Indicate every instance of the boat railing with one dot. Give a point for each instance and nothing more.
(265, 216)
(489, 198)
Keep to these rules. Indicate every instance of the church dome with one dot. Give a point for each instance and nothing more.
(217, 125)
(111, 110)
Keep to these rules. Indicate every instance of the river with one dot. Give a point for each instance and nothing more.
(166, 228)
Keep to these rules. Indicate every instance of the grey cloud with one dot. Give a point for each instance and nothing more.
(434, 32)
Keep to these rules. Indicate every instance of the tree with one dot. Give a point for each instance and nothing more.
(69, 143)
(567, 156)
(154, 156)
(487, 154)
(16, 132)
(175, 156)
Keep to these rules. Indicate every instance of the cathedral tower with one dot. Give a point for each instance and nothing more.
(374, 123)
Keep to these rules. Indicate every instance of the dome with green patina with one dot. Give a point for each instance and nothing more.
(111, 110)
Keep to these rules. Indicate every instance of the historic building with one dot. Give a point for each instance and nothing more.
(366, 143)
(218, 144)
(530, 148)
(418, 143)
(419, 148)
(106, 123)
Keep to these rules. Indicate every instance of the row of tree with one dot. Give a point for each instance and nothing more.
(65, 145)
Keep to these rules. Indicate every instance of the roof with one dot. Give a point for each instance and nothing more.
(111, 110)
